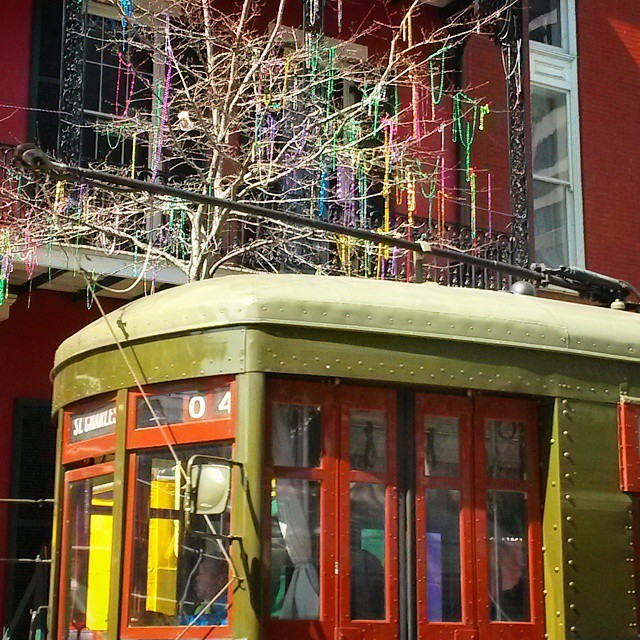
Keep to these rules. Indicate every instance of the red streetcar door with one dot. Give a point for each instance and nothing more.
(367, 566)
(301, 539)
(508, 531)
(479, 565)
(331, 561)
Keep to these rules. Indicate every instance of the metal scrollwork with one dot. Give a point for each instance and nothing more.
(69, 138)
(503, 23)
(507, 32)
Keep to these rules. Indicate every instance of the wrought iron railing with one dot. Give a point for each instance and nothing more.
(294, 250)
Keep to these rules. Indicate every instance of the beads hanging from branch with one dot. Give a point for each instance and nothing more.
(464, 130)
(489, 203)
(472, 188)
(126, 8)
(436, 78)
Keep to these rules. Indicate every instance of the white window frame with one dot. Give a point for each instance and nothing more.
(556, 68)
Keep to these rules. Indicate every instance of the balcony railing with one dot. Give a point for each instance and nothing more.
(289, 251)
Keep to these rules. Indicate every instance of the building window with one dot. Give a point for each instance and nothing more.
(545, 22)
(557, 193)
(118, 82)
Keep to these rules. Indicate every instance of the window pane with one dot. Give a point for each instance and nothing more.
(506, 446)
(550, 223)
(113, 72)
(176, 573)
(443, 556)
(90, 531)
(92, 87)
(368, 441)
(508, 556)
(442, 447)
(550, 143)
(175, 407)
(367, 551)
(545, 22)
(296, 436)
(295, 550)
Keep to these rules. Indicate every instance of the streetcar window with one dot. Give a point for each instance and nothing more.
(444, 602)
(88, 569)
(296, 435)
(367, 551)
(442, 446)
(506, 447)
(295, 549)
(177, 407)
(179, 576)
(508, 557)
(368, 441)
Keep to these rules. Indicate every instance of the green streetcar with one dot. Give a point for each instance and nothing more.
(291, 456)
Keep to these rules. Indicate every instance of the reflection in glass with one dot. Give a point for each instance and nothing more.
(169, 408)
(550, 146)
(90, 531)
(442, 447)
(545, 22)
(368, 441)
(508, 555)
(443, 555)
(295, 549)
(506, 447)
(175, 573)
(550, 142)
(551, 239)
(296, 435)
(367, 551)
(175, 407)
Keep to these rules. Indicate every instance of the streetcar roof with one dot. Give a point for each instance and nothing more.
(371, 306)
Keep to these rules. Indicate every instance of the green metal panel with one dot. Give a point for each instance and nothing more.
(552, 528)
(247, 506)
(397, 360)
(349, 304)
(596, 520)
(390, 359)
(174, 358)
(119, 517)
(356, 329)
(56, 535)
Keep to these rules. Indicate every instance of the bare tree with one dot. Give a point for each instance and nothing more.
(250, 109)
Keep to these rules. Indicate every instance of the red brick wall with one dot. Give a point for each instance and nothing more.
(36, 326)
(483, 79)
(609, 91)
(15, 64)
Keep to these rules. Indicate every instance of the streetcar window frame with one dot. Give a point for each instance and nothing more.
(143, 631)
(215, 431)
(105, 469)
(93, 447)
(629, 446)
(198, 430)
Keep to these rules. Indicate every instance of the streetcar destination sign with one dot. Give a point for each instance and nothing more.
(92, 424)
(176, 407)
